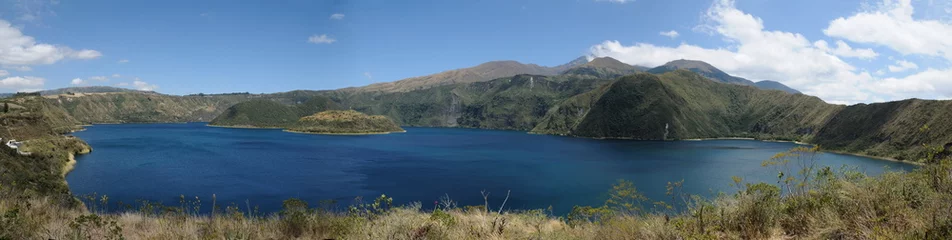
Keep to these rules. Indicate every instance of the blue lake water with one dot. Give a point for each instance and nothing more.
(159, 162)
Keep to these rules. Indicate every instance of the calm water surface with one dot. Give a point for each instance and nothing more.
(159, 162)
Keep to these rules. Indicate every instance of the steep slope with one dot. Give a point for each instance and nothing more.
(604, 67)
(344, 122)
(33, 117)
(480, 73)
(564, 117)
(516, 103)
(641, 105)
(124, 107)
(893, 129)
(772, 85)
(267, 113)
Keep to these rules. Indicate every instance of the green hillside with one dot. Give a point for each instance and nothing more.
(516, 103)
(126, 107)
(32, 117)
(893, 129)
(344, 122)
(641, 105)
(268, 113)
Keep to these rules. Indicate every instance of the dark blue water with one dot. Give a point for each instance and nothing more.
(159, 162)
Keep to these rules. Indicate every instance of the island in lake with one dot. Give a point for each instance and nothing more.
(344, 122)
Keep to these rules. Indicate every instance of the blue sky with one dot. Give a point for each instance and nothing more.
(183, 47)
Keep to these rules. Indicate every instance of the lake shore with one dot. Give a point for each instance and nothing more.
(876, 157)
(344, 134)
(242, 127)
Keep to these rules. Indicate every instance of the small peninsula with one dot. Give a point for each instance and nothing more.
(344, 122)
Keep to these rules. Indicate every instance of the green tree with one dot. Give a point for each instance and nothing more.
(624, 198)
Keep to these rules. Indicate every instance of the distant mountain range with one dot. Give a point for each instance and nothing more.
(709, 71)
(601, 98)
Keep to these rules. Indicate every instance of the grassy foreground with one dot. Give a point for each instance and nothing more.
(806, 202)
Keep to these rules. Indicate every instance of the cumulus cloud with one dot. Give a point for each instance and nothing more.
(931, 82)
(22, 83)
(4, 73)
(319, 39)
(670, 34)
(337, 16)
(844, 50)
(892, 25)
(792, 59)
(17, 49)
(144, 86)
(902, 65)
(20, 68)
(77, 81)
(116, 75)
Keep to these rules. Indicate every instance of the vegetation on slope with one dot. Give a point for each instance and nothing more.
(139, 107)
(773, 85)
(898, 130)
(344, 122)
(684, 105)
(31, 117)
(516, 102)
(271, 114)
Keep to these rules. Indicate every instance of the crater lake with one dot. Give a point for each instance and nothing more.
(263, 167)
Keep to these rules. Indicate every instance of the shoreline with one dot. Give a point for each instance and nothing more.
(70, 165)
(750, 139)
(242, 127)
(876, 157)
(344, 134)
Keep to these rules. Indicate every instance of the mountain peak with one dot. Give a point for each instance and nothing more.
(692, 64)
(607, 62)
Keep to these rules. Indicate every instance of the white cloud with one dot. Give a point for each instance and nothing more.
(144, 86)
(368, 75)
(22, 83)
(670, 34)
(116, 75)
(892, 25)
(616, 1)
(18, 49)
(122, 84)
(4, 73)
(792, 59)
(20, 68)
(99, 78)
(77, 81)
(844, 50)
(123, 61)
(931, 83)
(902, 65)
(86, 54)
(337, 16)
(318, 39)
